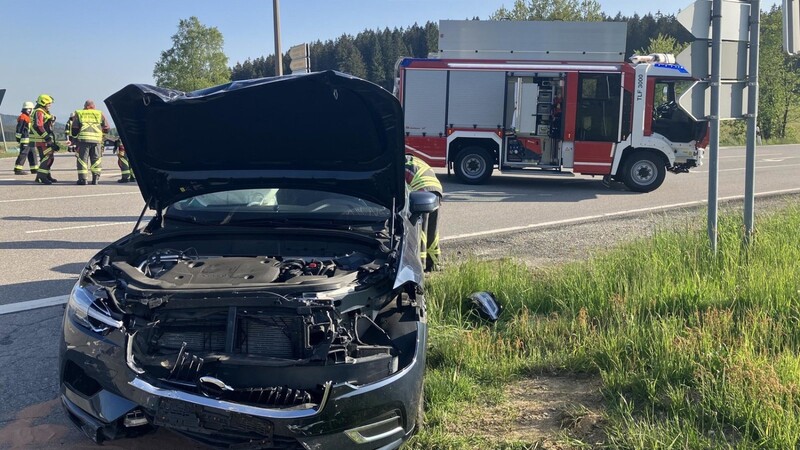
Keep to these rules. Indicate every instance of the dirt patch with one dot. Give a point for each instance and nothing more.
(31, 429)
(542, 411)
(25, 432)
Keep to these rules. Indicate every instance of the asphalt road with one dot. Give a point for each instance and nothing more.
(47, 233)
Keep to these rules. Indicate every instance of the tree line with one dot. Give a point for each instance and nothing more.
(372, 54)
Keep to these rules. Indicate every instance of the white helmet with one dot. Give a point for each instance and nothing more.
(28, 105)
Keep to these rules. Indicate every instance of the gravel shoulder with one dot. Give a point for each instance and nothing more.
(542, 247)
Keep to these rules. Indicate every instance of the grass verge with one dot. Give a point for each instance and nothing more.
(693, 350)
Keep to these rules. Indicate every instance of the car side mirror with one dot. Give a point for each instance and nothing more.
(422, 202)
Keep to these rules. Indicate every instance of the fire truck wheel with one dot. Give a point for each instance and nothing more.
(474, 165)
(644, 172)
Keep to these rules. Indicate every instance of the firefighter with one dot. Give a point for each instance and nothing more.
(71, 147)
(22, 135)
(43, 137)
(123, 163)
(420, 177)
(88, 127)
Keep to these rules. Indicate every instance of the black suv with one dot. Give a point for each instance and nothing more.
(274, 299)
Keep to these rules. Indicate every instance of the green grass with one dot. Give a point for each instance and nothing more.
(694, 350)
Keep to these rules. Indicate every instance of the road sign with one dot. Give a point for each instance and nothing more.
(697, 19)
(732, 100)
(301, 58)
(696, 56)
(791, 26)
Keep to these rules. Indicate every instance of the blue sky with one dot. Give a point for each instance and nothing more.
(91, 49)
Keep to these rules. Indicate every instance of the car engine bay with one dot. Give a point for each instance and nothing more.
(222, 325)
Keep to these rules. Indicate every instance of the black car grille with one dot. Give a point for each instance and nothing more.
(269, 336)
(210, 341)
(257, 334)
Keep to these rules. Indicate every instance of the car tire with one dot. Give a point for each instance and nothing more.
(474, 165)
(644, 171)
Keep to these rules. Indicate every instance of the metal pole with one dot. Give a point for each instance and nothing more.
(276, 18)
(713, 157)
(752, 120)
(3, 133)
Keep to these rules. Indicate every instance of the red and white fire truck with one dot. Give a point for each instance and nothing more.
(552, 96)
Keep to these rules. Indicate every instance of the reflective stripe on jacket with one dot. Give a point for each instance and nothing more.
(91, 123)
(41, 124)
(420, 176)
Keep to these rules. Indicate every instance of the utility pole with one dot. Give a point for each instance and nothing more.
(276, 18)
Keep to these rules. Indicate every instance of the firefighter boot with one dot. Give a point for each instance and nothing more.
(124, 179)
(95, 178)
(20, 172)
(43, 179)
(81, 182)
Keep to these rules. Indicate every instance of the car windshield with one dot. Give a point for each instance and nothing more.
(248, 206)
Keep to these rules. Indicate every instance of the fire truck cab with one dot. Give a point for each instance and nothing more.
(591, 115)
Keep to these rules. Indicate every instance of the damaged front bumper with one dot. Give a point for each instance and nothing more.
(108, 400)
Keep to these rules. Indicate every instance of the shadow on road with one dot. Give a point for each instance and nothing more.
(87, 218)
(51, 245)
(531, 189)
(71, 268)
(32, 290)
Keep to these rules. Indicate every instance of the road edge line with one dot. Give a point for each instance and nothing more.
(629, 212)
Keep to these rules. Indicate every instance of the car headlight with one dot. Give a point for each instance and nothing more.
(90, 311)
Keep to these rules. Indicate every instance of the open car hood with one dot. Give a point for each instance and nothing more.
(324, 131)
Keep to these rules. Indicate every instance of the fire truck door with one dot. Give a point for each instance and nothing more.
(596, 121)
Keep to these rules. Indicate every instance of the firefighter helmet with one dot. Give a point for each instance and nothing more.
(44, 100)
(28, 105)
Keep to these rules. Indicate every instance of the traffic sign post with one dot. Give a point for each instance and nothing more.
(2, 131)
(752, 121)
(730, 70)
(713, 166)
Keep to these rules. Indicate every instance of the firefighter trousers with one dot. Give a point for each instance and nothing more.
(27, 151)
(89, 158)
(46, 155)
(430, 252)
(124, 165)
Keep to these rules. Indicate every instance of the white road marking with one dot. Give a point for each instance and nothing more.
(742, 168)
(68, 196)
(33, 304)
(604, 216)
(78, 227)
(745, 156)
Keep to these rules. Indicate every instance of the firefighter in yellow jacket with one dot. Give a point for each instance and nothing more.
(88, 126)
(43, 137)
(420, 177)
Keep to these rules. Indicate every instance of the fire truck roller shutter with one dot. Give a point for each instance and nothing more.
(424, 102)
(643, 170)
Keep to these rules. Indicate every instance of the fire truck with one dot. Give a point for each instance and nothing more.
(554, 97)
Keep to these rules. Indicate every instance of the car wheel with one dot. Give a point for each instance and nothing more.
(474, 165)
(644, 172)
